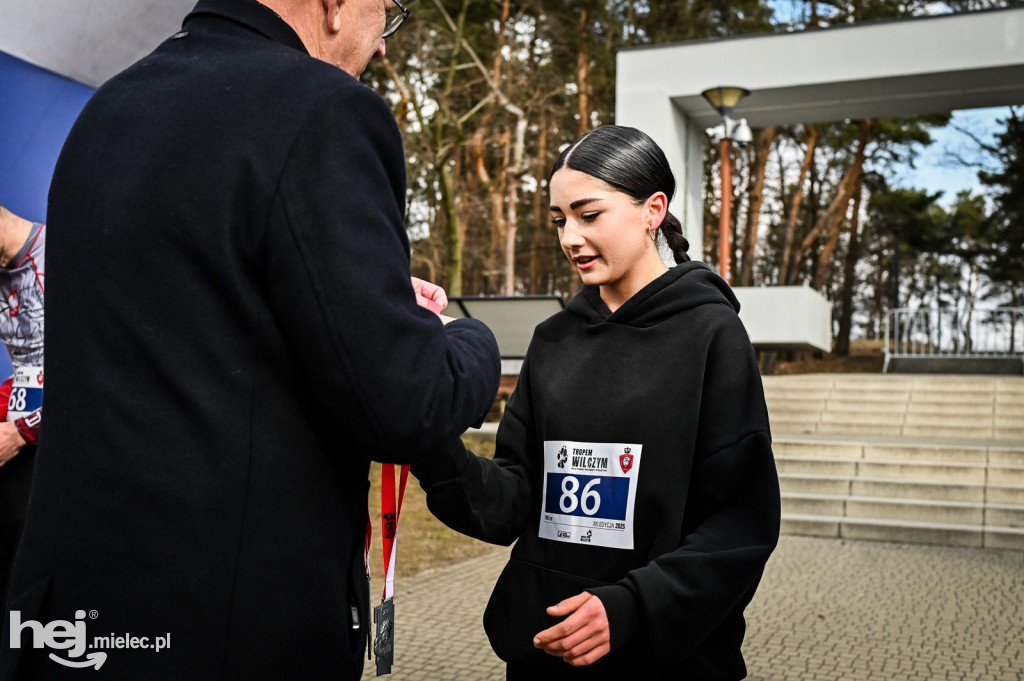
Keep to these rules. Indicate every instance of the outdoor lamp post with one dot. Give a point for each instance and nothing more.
(724, 99)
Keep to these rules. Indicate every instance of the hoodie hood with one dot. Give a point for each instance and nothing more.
(683, 287)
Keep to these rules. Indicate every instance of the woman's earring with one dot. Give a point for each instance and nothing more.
(653, 233)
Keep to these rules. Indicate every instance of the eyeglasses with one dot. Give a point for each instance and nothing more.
(395, 16)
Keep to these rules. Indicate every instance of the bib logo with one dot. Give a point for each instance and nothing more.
(626, 460)
(67, 636)
(563, 456)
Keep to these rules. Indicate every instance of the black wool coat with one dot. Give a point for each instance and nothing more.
(231, 338)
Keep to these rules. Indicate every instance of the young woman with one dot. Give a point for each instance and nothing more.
(633, 463)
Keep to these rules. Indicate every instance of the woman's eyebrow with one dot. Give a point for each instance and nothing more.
(575, 204)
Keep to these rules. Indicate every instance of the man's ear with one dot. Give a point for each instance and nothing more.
(332, 12)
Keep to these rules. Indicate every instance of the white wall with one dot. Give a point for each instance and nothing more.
(87, 40)
(786, 317)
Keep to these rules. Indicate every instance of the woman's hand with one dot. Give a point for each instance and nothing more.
(583, 637)
(11, 441)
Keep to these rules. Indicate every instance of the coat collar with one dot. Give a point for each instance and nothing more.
(253, 15)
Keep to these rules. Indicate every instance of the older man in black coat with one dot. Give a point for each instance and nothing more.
(232, 337)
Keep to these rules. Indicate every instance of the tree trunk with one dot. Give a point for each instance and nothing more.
(788, 266)
(490, 187)
(514, 173)
(830, 224)
(540, 210)
(452, 231)
(725, 249)
(499, 52)
(630, 29)
(509, 169)
(850, 276)
(404, 104)
(453, 234)
(709, 225)
(583, 73)
(833, 218)
(761, 152)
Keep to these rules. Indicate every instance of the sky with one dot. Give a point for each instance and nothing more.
(935, 170)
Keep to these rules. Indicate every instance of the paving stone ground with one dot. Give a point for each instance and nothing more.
(827, 610)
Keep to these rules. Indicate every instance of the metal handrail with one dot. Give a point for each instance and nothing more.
(938, 332)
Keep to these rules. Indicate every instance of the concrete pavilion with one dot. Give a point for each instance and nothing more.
(871, 69)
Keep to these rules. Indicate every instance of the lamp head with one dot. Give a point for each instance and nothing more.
(725, 98)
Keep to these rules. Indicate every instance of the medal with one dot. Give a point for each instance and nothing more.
(384, 614)
(384, 639)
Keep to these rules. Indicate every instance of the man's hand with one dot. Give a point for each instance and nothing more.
(583, 637)
(432, 297)
(11, 441)
(427, 292)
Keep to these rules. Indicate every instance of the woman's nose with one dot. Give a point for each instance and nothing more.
(571, 235)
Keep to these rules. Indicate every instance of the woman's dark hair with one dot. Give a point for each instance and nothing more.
(631, 162)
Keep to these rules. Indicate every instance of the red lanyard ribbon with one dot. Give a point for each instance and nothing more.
(390, 514)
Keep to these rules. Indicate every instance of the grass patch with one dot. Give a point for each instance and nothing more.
(866, 357)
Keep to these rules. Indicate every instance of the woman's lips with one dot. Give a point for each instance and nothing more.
(585, 262)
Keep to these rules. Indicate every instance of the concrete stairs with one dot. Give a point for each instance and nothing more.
(919, 459)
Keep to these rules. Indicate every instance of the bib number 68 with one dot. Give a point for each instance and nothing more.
(589, 502)
(17, 399)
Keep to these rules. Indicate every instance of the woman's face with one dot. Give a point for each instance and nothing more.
(605, 234)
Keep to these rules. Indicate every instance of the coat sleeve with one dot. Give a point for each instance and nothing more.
(487, 499)
(731, 521)
(399, 382)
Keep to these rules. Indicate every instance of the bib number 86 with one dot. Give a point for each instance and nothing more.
(589, 502)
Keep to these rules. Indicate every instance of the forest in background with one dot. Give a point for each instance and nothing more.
(487, 92)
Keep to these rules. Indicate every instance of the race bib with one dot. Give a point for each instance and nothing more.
(26, 392)
(589, 493)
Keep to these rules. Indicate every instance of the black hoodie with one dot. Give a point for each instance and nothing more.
(666, 392)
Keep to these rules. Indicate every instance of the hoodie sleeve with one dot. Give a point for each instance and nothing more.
(731, 522)
(487, 499)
